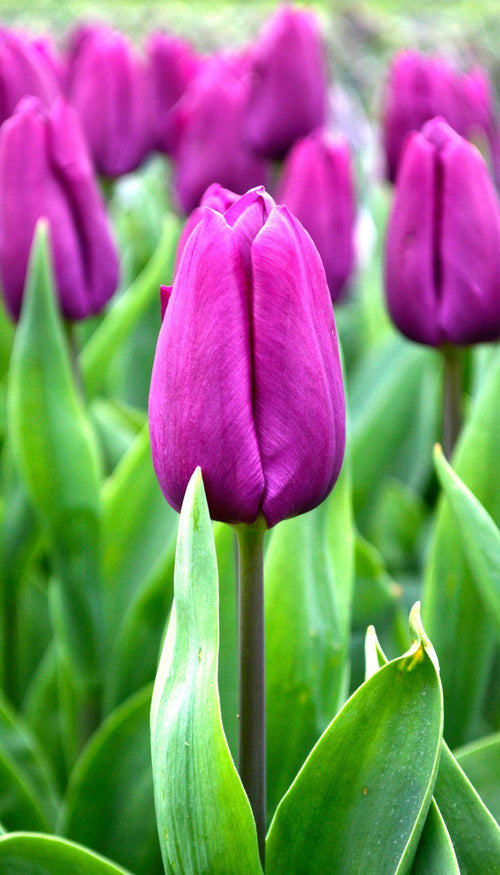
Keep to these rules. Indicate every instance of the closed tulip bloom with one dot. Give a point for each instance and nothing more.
(422, 87)
(317, 187)
(288, 83)
(173, 64)
(246, 380)
(443, 242)
(109, 87)
(23, 71)
(210, 144)
(45, 171)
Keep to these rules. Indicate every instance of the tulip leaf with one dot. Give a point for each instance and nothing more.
(480, 535)
(435, 852)
(460, 627)
(122, 317)
(35, 854)
(308, 578)
(480, 761)
(225, 547)
(41, 710)
(109, 804)
(56, 456)
(204, 819)
(473, 830)
(365, 789)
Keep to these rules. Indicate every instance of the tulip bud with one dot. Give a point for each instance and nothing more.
(288, 83)
(211, 147)
(173, 64)
(420, 88)
(45, 171)
(317, 187)
(109, 88)
(23, 71)
(443, 242)
(246, 379)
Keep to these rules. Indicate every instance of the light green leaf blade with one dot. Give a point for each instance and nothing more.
(364, 791)
(473, 830)
(308, 585)
(480, 535)
(109, 804)
(435, 853)
(454, 614)
(34, 854)
(204, 819)
(480, 761)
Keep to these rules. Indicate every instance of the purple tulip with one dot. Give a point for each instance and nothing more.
(211, 147)
(443, 242)
(420, 88)
(109, 87)
(173, 64)
(45, 171)
(288, 83)
(23, 71)
(246, 379)
(317, 187)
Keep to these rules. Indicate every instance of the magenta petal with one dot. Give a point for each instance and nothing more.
(200, 404)
(298, 394)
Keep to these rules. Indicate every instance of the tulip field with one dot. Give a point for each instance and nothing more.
(249, 439)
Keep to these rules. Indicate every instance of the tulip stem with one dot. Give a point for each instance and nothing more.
(252, 706)
(452, 397)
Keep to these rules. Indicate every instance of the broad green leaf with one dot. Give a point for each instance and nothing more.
(455, 617)
(480, 535)
(109, 804)
(397, 526)
(116, 427)
(481, 763)
(204, 819)
(473, 830)
(34, 629)
(435, 853)
(364, 791)
(42, 712)
(128, 308)
(308, 586)
(55, 452)
(27, 793)
(23, 853)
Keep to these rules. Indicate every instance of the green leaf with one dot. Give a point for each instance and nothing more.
(204, 819)
(473, 831)
(56, 456)
(27, 794)
(435, 853)
(42, 712)
(458, 624)
(364, 791)
(225, 547)
(481, 763)
(109, 804)
(308, 579)
(34, 854)
(122, 318)
(480, 535)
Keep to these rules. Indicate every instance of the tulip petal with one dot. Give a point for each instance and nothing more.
(298, 394)
(200, 404)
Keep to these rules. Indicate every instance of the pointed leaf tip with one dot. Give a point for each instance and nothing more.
(420, 638)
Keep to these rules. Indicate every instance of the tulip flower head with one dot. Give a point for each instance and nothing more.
(246, 380)
(45, 171)
(288, 83)
(317, 186)
(109, 87)
(173, 64)
(442, 271)
(23, 71)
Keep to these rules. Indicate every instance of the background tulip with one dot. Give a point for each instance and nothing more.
(246, 379)
(109, 88)
(317, 186)
(288, 83)
(45, 171)
(420, 88)
(23, 71)
(173, 64)
(443, 242)
(210, 146)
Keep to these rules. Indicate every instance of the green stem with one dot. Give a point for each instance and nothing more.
(452, 397)
(252, 708)
(74, 354)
